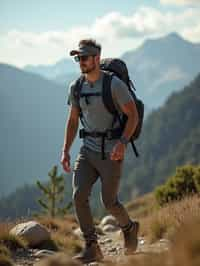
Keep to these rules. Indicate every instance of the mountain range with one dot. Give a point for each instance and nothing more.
(158, 67)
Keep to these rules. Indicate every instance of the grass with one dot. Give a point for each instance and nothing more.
(62, 233)
(12, 242)
(164, 221)
(4, 251)
(5, 260)
(142, 206)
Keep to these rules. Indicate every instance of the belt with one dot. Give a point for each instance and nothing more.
(108, 134)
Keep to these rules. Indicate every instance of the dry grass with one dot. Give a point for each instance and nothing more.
(4, 251)
(10, 241)
(5, 261)
(184, 250)
(142, 206)
(62, 233)
(165, 221)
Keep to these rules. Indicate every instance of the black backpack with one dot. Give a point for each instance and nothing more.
(113, 66)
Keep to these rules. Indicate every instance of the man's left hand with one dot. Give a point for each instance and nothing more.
(118, 152)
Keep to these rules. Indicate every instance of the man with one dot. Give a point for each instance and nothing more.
(89, 164)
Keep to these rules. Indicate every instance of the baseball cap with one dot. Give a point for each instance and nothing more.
(85, 50)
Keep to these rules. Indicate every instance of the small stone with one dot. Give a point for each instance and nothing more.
(142, 242)
(110, 228)
(44, 253)
(112, 249)
(106, 240)
(164, 240)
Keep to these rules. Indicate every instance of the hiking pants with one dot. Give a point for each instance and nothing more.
(88, 167)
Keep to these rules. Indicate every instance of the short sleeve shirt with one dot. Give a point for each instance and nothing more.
(95, 116)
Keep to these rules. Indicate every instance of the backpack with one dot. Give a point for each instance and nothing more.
(112, 66)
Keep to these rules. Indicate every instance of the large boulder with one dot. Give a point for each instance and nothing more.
(33, 232)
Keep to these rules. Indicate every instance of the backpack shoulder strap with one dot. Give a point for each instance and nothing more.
(77, 88)
(107, 93)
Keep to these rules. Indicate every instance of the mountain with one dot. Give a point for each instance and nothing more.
(170, 138)
(53, 72)
(162, 66)
(33, 114)
(158, 67)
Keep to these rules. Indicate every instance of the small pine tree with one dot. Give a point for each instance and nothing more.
(53, 193)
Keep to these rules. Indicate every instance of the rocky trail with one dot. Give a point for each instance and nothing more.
(112, 247)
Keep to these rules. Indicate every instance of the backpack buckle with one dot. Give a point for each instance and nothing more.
(109, 135)
(81, 133)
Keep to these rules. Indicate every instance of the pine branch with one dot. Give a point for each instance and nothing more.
(44, 205)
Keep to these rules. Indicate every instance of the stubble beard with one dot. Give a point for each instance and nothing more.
(88, 70)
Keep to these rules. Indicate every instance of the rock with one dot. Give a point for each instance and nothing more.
(60, 259)
(109, 219)
(78, 232)
(113, 249)
(107, 240)
(109, 228)
(99, 230)
(33, 232)
(44, 253)
(142, 242)
(164, 240)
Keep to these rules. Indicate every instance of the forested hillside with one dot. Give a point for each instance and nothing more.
(170, 138)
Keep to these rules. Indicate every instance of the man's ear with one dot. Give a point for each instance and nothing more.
(97, 59)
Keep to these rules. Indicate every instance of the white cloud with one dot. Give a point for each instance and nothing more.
(116, 32)
(180, 2)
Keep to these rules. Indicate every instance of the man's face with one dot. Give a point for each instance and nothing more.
(88, 63)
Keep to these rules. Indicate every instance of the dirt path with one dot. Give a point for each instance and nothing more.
(112, 247)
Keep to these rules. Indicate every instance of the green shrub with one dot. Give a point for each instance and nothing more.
(186, 181)
(196, 178)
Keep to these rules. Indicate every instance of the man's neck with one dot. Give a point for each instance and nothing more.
(93, 76)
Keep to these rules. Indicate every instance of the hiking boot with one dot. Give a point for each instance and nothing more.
(90, 253)
(131, 238)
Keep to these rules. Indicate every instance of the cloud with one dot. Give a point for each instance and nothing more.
(116, 32)
(180, 2)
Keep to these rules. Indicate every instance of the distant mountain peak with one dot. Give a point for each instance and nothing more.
(173, 35)
(169, 38)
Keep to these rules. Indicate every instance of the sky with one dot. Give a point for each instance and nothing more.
(44, 31)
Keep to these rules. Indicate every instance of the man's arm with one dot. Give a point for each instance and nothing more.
(131, 111)
(132, 120)
(71, 128)
(70, 134)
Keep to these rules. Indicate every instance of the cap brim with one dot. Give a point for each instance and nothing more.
(74, 52)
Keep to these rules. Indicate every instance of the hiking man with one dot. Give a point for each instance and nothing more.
(89, 164)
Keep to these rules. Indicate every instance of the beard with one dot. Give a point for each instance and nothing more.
(87, 69)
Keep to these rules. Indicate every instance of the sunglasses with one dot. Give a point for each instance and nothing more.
(79, 58)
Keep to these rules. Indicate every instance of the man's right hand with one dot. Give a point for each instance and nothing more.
(65, 161)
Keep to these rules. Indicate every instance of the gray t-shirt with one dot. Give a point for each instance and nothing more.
(95, 115)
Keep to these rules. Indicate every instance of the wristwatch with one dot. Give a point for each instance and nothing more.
(124, 140)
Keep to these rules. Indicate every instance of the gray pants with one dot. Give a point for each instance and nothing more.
(88, 167)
